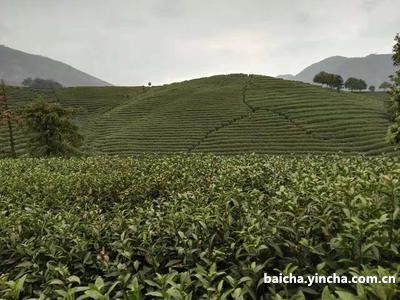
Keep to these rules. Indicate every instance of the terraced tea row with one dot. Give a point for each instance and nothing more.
(171, 119)
(224, 114)
(91, 101)
(315, 120)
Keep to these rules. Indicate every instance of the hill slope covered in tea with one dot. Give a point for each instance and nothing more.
(223, 114)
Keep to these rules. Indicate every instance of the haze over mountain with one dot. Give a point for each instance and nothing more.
(16, 65)
(374, 68)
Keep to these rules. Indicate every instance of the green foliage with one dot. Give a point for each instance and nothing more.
(39, 83)
(7, 117)
(337, 82)
(355, 84)
(393, 134)
(385, 85)
(382, 96)
(27, 81)
(50, 128)
(396, 50)
(209, 115)
(321, 78)
(331, 80)
(221, 114)
(197, 226)
(90, 101)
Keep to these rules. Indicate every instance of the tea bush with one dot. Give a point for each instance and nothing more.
(197, 226)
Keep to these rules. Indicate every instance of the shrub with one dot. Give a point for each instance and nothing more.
(196, 227)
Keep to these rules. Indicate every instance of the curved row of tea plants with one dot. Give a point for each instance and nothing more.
(293, 117)
(233, 113)
(91, 101)
(244, 114)
(197, 226)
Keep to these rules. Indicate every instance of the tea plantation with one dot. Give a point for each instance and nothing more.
(222, 114)
(199, 226)
(123, 223)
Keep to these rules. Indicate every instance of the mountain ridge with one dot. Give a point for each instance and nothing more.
(373, 68)
(16, 65)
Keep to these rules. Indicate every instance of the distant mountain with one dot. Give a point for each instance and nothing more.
(16, 65)
(286, 77)
(374, 68)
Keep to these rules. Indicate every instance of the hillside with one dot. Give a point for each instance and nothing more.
(224, 114)
(374, 68)
(16, 65)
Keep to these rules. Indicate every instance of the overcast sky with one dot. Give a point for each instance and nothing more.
(129, 42)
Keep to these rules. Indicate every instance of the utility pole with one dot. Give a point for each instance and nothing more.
(6, 114)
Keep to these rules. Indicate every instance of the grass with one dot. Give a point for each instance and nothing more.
(223, 114)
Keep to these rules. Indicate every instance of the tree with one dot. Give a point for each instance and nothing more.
(337, 82)
(27, 81)
(351, 83)
(355, 84)
(7, 116)
(371, 88)
(362, 85)
(39, 83)
(321, 78)
(385, 86)
(331, 80)
(50, 128)
(393, 134)
(318, 78)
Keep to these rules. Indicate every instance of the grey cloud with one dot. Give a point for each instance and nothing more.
(131, 42)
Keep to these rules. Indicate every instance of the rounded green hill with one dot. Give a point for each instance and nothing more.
(222, 114)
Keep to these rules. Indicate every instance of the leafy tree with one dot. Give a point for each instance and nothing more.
(6, 115)
(27, 81)
(331, 80)
(371, 88)
(337, 82)
(362, 85)
(39, 83)
(385, 85)
(320, 78)
(50, 128)
(393, 134)
(351, 83)
(355, 84)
